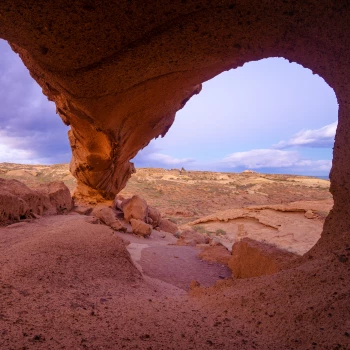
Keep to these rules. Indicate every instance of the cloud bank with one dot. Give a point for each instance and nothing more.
(317, 138)
(151, 156)
(274, 159)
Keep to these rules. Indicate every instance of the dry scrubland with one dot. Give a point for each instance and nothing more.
(283, 210)
(84, 281)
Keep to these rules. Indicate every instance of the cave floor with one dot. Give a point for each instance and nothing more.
(68, 284)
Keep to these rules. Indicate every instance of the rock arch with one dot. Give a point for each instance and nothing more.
(118, 72)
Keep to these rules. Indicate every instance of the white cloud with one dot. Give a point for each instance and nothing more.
(262, 158)
(167, 159)
(317, 138)
(151, 156)
(13, 155)
(273, 158)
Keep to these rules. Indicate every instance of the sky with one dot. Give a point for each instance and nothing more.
(269, 116)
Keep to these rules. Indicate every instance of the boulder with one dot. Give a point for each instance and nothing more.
(192, 238)
(155, 216)
(107, 216)
(135, 208)
(12, 208)
(140, 228)
(37, 202)
(18, 201)
(59, 196)
(168, 226)
(252, 259)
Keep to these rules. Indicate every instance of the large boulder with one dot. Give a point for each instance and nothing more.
(12, 208)
(37, 202)
(168, 226)
(252, 259)
(18, 201)
(140, 228)
(59, 196)
(135, 208)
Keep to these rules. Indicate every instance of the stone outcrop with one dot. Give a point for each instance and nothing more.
(252, 259)
(18, 201)
(294, 226)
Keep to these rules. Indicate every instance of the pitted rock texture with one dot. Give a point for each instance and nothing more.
(59, 196)
(119, 71)
(18, 202)
(252, 259)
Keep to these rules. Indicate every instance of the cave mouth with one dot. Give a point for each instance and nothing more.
(275, 116)
(270, 110)
(274, 125)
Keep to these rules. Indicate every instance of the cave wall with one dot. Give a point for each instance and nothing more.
(120, 70)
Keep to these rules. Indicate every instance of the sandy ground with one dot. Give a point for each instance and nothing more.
(158, 257)
(69, 284)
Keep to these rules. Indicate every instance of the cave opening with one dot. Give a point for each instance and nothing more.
(258, 135)
(249, 138)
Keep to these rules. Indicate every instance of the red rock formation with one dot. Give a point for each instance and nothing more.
(252, 259)
(17, 201)
(119, 71)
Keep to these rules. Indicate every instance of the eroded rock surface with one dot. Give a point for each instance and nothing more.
(295, 226)
(108, 216)
(135, 208)
(17, 201)
(252, 259)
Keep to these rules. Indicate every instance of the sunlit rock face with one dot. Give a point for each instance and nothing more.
(119, 71)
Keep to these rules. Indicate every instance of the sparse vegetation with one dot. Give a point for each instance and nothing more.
(201, 229)
(220, 232)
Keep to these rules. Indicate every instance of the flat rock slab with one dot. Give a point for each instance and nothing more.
(180, 265)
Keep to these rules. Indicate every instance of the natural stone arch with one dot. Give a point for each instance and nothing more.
(119, 72)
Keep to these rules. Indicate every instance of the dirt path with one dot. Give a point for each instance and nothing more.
(158, 257)
(180, 265)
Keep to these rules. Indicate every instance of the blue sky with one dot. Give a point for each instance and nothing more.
(269, 116)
